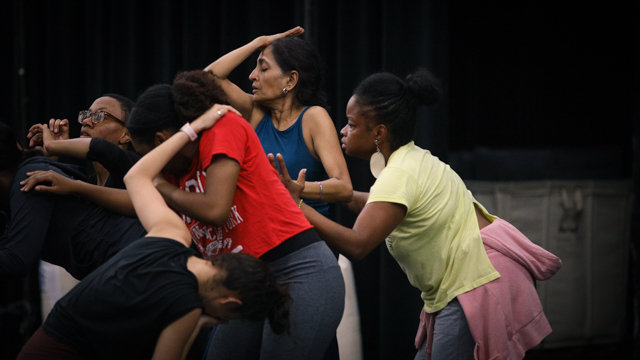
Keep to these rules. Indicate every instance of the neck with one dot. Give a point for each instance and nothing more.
(204, 271)
(282, 108)
(286, 116)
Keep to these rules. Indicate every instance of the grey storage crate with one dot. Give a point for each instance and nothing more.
(586, 224)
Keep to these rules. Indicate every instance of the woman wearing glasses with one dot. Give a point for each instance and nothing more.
(104, 139)
(67, 231)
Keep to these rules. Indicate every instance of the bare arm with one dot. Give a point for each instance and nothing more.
(212, 206)
(326, 147)
(222, 67)
(358, 201)
(52, 146)
(116, 200)
(175, 340)
(154, 214)
(373, 225)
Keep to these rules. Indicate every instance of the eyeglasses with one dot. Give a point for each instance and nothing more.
(97, 117)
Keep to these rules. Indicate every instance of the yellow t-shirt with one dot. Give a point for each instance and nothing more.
(438, 243)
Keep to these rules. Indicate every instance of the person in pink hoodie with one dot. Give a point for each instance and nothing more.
(476, 272)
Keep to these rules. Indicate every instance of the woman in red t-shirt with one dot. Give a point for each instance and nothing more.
(232, 200)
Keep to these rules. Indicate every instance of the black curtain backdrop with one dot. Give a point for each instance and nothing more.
(516, 75)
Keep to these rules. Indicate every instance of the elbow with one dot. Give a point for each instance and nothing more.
(217, 218)
(357, 255)
(347, 195)
(128, 178)
(344, 192)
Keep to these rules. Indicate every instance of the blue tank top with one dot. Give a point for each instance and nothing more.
(290, 143)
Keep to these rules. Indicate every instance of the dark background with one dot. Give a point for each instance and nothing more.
(522, 79)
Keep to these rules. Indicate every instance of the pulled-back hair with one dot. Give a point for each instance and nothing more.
(293, 53)
(394, 102)
(260, 292)
(168, 107)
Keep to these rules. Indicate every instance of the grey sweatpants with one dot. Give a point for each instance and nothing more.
(452, 339)
(317, 288)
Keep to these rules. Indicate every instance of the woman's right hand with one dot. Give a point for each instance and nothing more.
(268, 39)
(295, 187)
(211, 116)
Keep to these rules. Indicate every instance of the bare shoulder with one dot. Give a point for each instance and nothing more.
(317, 112)
(317, 117)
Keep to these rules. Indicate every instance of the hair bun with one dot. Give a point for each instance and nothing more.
(423, 87)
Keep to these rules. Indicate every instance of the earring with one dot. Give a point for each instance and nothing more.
(285, 91)
(377, 162)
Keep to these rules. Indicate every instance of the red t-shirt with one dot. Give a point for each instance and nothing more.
(263, 214)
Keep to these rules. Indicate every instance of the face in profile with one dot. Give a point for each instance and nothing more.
(268, 79)
(357, 136)
(110, 127)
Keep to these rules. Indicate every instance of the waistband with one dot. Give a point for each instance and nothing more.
(291, 245)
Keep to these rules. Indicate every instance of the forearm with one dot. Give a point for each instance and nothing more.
(72, 147)
(116, 200)
(339, 237)
(224, 65)
(152, 163)
(330, 190)
(194, 205)
(358, 201)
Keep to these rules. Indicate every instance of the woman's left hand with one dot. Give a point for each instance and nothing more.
(295, 187)
(53, 182)
(211, 117)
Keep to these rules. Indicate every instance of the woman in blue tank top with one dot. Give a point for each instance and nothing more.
(286, 108)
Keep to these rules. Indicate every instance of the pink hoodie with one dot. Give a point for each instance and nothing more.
(505, 316)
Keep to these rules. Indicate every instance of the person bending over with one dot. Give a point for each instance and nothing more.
(476, 272)
(150, 299)
(232, 200)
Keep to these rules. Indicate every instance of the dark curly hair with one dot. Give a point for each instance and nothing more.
(195, 92)
(261, 294)
(168, 107)
(394, 102)
(291, 53)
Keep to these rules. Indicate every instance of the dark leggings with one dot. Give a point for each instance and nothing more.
(42, 346)
(317, 288)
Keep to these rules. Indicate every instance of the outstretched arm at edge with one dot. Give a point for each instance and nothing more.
(375, 222)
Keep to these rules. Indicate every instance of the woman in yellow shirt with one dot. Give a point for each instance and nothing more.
(421, 208)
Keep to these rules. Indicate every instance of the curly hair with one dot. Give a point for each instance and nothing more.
(261, 294)
(195, 92)
(168, 107)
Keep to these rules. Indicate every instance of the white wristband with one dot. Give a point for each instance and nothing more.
(187, 129)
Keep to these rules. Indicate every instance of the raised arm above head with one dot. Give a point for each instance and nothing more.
(223, 66)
